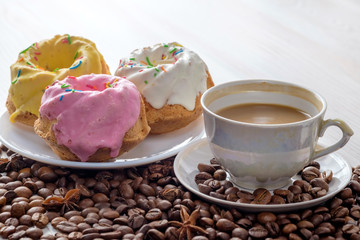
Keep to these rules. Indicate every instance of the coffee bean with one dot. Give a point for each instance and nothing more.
(76, 219)
(339, 212)
(33, 210)
(265, 217)
(23, 191)
(136, 221)
(57, 220)
(46, 174)
(66, 227)
(309, 173)
(155, 234)
(6, 231)
(40, 220)
(225, 225)
(99, 198)
(346, 193)
(17, 235)
(72, 213)
(12, 222)
(258, 232)
(153, 214)
(319, 182)
(219, 174)
(34, 232)
(126, 191)
(262, 197)
(17, 210)
(90, 236)
(111, 235)
(147, 190)
(289, 228)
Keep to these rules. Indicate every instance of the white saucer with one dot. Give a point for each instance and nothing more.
(23, 140)
(185, 167)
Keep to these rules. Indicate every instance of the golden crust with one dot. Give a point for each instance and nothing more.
(25, 117)
(173, 117)
(136, 134)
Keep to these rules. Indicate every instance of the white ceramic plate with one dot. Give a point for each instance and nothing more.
(23, 140)
(186, 162)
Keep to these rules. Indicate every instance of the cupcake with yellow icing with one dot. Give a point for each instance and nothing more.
(44, 62)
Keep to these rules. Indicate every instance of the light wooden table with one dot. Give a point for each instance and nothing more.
(312, 43)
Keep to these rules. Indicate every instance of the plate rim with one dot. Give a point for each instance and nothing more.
(255, 207)
(118, 163)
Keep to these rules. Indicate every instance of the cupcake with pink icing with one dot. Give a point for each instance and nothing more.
(92, 117)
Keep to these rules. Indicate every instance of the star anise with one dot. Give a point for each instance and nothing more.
(63, 204)
(188, 225)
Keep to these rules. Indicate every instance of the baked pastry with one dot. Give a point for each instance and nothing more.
(44, 62)
(171, 79)
(92, 117)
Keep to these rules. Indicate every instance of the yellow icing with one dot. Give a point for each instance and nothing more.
(38, 69)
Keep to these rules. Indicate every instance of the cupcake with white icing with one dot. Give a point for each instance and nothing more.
(171, 79)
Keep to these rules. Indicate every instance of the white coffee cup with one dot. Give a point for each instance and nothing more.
(266, 155)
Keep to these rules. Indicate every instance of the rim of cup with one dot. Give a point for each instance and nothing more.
(218, 87)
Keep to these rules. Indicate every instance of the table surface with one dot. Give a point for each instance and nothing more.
(311, 43)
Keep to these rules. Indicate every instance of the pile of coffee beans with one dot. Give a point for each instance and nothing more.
(211, 180)
(148, 202)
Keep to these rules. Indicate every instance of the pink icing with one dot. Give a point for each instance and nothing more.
(96, 115)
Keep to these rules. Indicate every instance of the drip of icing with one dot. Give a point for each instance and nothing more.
(94, 111)
(166, 74)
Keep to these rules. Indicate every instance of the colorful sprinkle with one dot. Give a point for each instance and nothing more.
(38, 67)
(148, 61)
(157, 70)
(25, 50)
(13, 82)
(21, 59)
(72, 90)
(133, 59)
(165, 45)
(68, 38)
(141, 70)
(37, 45)
(146, 82)
(163, 68)
(155, 74)
(18, 73)
(150, 66)
(143, 62)
(72, 77)
(180, 51)
(77, 52)
(36, 59)
(61, 97)
(37, 53)
(28, 63)
(163, 57)
(173, 50)
(65, 86)
(77, 65)
(56, 69)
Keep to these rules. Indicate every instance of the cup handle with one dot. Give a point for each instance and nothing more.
(346, 131)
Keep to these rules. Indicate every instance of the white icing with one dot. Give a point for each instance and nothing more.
(184, 79)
